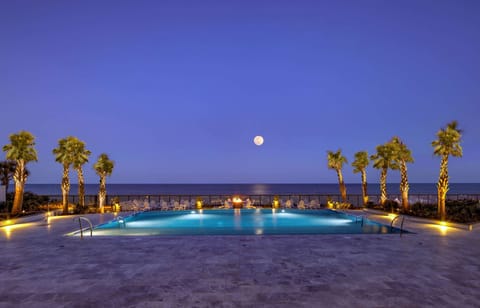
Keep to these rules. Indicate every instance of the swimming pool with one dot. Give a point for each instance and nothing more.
(241, 222)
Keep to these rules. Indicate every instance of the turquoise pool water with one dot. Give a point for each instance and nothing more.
(240, 222)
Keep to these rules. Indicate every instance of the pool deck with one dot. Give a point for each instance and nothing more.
(436, 266)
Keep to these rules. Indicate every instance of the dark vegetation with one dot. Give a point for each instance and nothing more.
(461, 211)
(32, 203)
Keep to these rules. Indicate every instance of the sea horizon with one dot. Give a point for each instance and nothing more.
(244, 188)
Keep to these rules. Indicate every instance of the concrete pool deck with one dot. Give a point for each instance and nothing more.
(436, 266)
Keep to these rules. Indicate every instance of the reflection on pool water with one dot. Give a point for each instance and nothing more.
(241, 222)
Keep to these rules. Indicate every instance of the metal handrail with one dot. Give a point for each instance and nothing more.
(359, 216)
(121, 221)
(401, 224)
(80, 218)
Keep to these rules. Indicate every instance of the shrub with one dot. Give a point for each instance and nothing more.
(391, 205)
(31, 202)
(462, 211)
(80, 209)
(339, 205)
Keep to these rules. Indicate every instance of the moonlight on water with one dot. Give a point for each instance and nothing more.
(258, 140)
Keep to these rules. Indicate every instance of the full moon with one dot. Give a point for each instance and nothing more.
(258, 140)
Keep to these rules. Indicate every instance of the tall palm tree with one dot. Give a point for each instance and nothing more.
(79, 157)
(384, 160)
(447, 143)
(360, 165)
(335, 162)
(103, 167)
(63, 155)
(403, 155)
(21, 150)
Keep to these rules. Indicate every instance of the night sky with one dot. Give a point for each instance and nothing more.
(175, 91)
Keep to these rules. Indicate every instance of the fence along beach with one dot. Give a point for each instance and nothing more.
(260, 193)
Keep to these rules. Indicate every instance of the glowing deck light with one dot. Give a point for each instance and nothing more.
(8, 229)
(443, 229)
(392, 216)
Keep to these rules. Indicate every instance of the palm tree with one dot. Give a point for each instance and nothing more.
(336, 161)
(384, 160)
(7, 170)
(103, 167)
(446, 144)
(403, 155)
(63, 155)
(79, 157)
(360, 164)
(21, 150)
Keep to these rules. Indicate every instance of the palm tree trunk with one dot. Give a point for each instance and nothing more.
(364, 187)
(81, 187)
(442, 187)
(102, 193)
(18, 200)
(343, 188)
(383, 186)
(6, 195)
(19, 178)
(404, 187)
(65, 189)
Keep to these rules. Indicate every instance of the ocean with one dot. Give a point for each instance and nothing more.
(247, 189)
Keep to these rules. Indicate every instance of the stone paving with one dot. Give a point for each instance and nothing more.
(433, 267)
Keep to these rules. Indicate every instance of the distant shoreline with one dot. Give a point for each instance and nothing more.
(252, 189)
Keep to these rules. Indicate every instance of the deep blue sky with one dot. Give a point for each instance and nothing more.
(175, 91)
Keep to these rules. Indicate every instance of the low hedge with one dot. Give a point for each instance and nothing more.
(462, 211)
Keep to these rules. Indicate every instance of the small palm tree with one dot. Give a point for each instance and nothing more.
(447, 143)
(103, 167)
(360, 165)
(79, 157)
(335, 162)
(7, 170)
(21, 150)
(63, 155)
(384, 160)
(403, 155)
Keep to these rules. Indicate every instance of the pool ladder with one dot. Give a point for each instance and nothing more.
(80, 218)
(401, 224)
(121, 221)
(360, 218)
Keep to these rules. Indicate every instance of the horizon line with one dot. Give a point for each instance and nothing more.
(245, 183)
